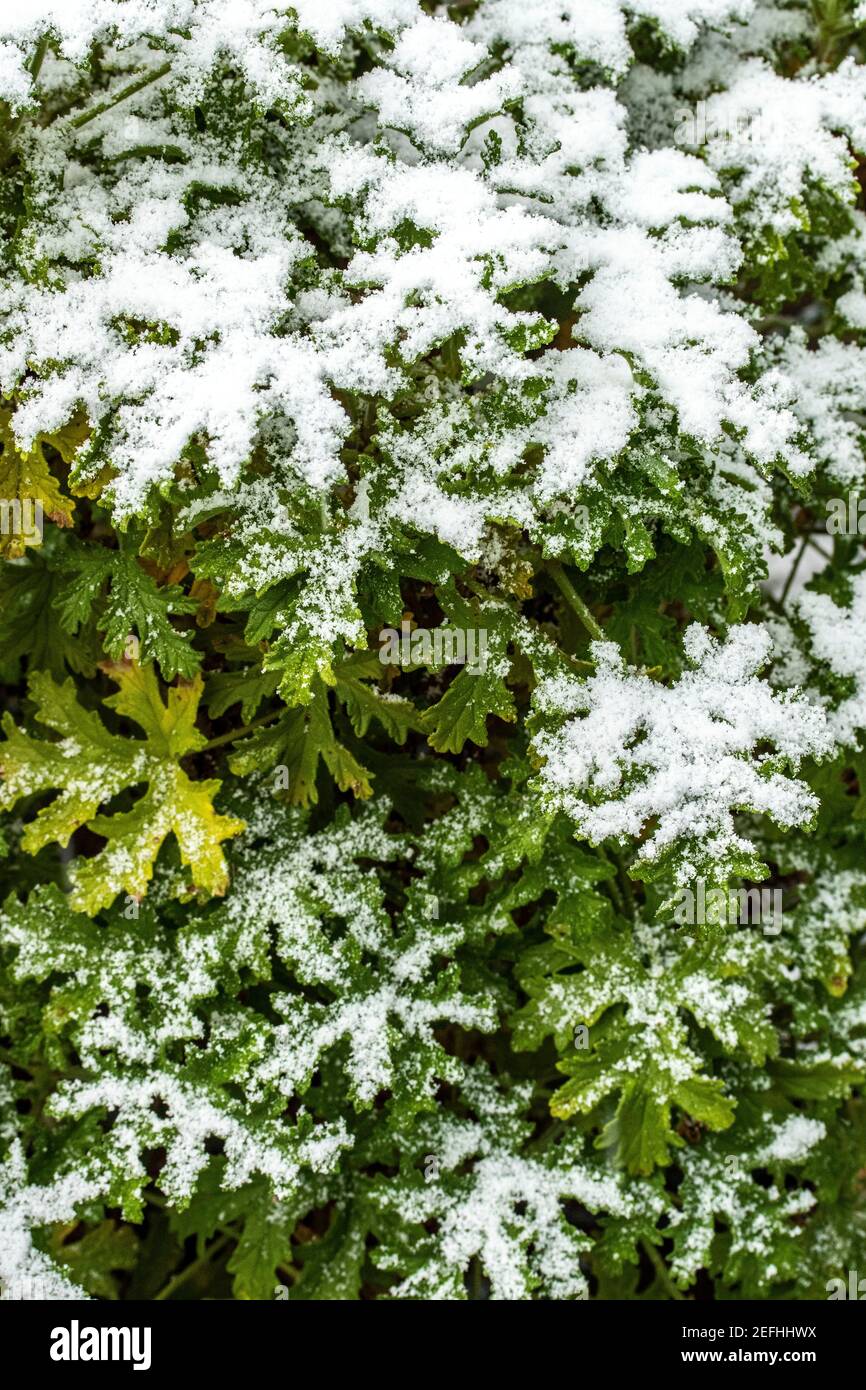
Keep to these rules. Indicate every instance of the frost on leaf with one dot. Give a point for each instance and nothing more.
(836, 635)
(673, 765)
(492, 1202)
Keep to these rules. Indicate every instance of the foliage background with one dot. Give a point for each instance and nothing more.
(322, 321)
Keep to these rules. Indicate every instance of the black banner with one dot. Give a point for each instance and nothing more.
(202, 1338)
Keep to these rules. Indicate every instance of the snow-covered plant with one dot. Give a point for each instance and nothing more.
(433, 647)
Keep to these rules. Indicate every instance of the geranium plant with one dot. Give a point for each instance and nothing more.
(433, 646)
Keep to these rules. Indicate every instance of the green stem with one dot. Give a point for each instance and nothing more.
(810, 540)
(796, 565)
(625, 882)
(545, 1139)
(38, 58)
(153, 76)
(174, 1284)
(661, 1270)
(625, 907)
(613, 890)
(577, 665)
(34, 67)
(573, 599)
(243, 731)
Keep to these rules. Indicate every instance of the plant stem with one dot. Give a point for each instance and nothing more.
(625, 882)
(573, 599)
(793, 570)
(38, 58)
(153, 76)
(34, 67)
(173, 1284)
(578, 665)
(240, 733)
(661, 1270)
(810, 540)
(613, 890)
(544, 1140)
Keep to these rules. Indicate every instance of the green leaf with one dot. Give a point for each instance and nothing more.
(331, 1266)
(30, 625)
(133, 604)
(94, 1260)
(90, 766)
(294, 745)
(26, 480)
(462, 712)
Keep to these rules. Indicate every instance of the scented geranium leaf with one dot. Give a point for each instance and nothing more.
(249, 688)
(317, 617)
(726, 1222)
(294, 745)
(304, 735)
(360, 1001)
(354, 684)
(805, 1079)
(29, 492)
(133, 604)
(264, 1222)
(641, 1134)
(27, 1205)
(50, 938)
(463, 711)
(98, 1256)
(412, 557)
(113, 983)
(631, 1000)
(159, 1253)
(641, 1131)
(184, 1112)
(90, 766)
(304, 661)
(285, 743)
(836, 638)
(643, 624)
(814, 946)
(470, 1191)
(332, 1265)
(542, 326)
(479, 690)
(674, 764)
(264, 1244)
(367, 994)
(30, 624)
(640, 624)
(836, 1230)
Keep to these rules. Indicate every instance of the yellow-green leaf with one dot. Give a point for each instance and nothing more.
(89, 766)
